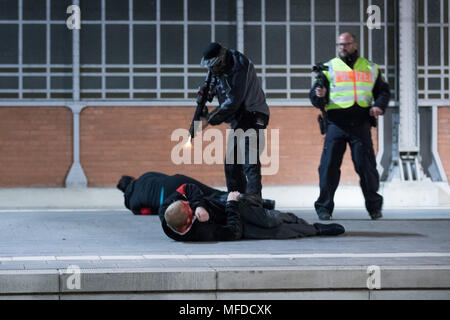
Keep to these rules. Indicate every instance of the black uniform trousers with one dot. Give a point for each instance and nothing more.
(242, 165)
(363, 156)
(260, 223)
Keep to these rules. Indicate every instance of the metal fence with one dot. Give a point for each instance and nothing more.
(150, 49)
(147, 53)
(433, 50)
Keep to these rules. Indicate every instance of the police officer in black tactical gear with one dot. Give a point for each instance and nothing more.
(353, 93)
(242, 106)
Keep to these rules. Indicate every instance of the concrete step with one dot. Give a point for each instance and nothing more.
(313, 282)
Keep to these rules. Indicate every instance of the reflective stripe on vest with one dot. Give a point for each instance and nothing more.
(348, 86)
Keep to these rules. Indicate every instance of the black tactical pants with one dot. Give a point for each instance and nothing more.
(242, 165)
(360, 141)
(260, 223)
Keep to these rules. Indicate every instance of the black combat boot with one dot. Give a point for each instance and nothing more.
(332, 229)
(268, 204)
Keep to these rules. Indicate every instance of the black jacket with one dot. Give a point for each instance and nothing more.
(145, 194)
(224, 222)
(355, 114)
(239, 93)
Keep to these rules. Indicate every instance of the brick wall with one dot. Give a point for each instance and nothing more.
(35, 146)
(133, 140)
(444, 138)
(301, 147)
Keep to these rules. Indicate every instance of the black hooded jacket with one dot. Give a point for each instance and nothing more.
(224, 222)
(239, 93)
(145, 194)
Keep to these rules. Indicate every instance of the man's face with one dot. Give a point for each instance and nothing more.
(189, 216)
(217, 64)
(218, 67)
(346, 45)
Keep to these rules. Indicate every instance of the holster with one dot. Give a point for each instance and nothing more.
(256, 120)
(322, 124)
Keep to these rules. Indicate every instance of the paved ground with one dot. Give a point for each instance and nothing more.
(122, 256)
(117, 239)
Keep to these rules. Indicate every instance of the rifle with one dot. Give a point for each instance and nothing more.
(320, 80)
(203, 95)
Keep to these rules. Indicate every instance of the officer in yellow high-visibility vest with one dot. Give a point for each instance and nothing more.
(354, 94)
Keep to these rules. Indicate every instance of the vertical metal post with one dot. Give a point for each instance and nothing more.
(263, 44)
(76, 176)
(425, 48)
(48, 49)
(213, 19)
(130, 48)
(76, 60)
(103, 34)
(362, 39)
(313, 33)
(370, 39)
(408, 129)
(337, 30)
(288, 49)
(408, 137)
(240, 25)
(185, 48)
(158, 49)
(20, 49)
(442, 45)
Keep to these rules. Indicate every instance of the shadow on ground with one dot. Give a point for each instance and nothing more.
(380, 234)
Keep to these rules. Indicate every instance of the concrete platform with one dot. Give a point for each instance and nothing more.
(424, 194)
(112, 254)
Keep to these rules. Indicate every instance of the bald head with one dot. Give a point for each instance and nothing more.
(346, 44)
(347, 36)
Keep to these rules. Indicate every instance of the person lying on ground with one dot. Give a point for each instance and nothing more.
(190, 215)
(144, 195)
